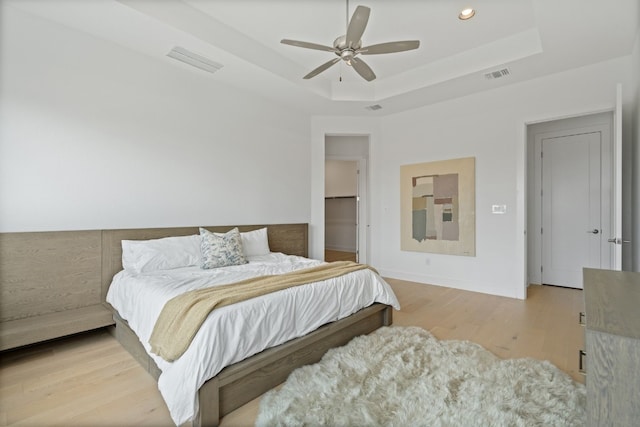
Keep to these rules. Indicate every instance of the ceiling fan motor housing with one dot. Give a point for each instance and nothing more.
(344, 51)
(341, 43)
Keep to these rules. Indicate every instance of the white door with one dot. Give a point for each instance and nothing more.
(572, 235)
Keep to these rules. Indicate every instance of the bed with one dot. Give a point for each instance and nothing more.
(235, 379)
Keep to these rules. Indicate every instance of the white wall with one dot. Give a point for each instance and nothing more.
(340, 178)
(96, 136)
(490, 126)
(351, 147)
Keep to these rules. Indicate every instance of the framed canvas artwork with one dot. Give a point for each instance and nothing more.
(438, 207)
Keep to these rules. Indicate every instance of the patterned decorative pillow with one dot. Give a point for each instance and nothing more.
(221, 250)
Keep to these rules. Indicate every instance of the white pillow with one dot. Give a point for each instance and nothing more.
(255, 242)
(140, 256)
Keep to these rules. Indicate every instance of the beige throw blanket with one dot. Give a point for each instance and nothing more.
(182, 316)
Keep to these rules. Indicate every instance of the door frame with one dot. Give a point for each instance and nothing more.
(605, 182)
(601, 121)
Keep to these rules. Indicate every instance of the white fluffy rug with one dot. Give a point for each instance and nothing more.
(403, 376)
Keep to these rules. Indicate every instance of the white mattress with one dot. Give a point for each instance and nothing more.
(233, 333)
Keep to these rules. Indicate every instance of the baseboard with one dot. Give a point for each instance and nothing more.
(446, 282)
(340, 249)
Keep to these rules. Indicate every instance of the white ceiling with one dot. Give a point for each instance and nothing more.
(531, 38)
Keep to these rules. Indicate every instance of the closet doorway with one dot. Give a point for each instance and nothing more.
(341, 210)
(346, 198)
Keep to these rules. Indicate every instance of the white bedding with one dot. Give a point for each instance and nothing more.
(235, 332)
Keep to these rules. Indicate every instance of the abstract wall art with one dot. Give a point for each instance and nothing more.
(438, 207)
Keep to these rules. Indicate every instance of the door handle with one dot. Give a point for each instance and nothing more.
(618, 241)
(582, 366)
(594, 231)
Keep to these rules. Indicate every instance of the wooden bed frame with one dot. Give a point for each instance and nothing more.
(241, 382)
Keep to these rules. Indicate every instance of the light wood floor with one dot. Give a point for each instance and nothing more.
(90, 380)
(330, 255)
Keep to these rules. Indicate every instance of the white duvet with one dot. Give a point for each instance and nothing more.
(233, 333)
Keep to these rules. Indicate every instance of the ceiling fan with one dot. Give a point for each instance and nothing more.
(348, 46)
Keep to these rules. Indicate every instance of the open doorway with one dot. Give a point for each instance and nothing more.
(341, 210)
(346, 201)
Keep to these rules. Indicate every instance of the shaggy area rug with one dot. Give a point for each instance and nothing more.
(404, 376)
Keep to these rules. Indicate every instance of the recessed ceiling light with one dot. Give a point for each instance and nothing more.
(467, 13)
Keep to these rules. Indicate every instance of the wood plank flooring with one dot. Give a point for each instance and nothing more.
(331, 255)
(90, 379)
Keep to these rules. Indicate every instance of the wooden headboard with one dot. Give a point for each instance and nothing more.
(291, 239)
(55, 283)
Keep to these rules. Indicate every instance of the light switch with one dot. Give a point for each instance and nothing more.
(498, 209)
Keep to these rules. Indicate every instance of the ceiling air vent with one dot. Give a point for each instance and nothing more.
(374, 107)
(188, 57)
(497, 74)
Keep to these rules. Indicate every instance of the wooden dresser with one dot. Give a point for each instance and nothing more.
(612, 305)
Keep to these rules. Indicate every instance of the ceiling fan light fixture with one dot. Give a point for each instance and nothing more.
(466, 13)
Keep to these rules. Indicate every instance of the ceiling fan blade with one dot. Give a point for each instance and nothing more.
(390, 47)
(308, 45)
(363, 69)
(321, 68)
(357, 24)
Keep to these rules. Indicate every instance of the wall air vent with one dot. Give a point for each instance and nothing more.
(193, 59)
(374, 107)
(497, 74)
